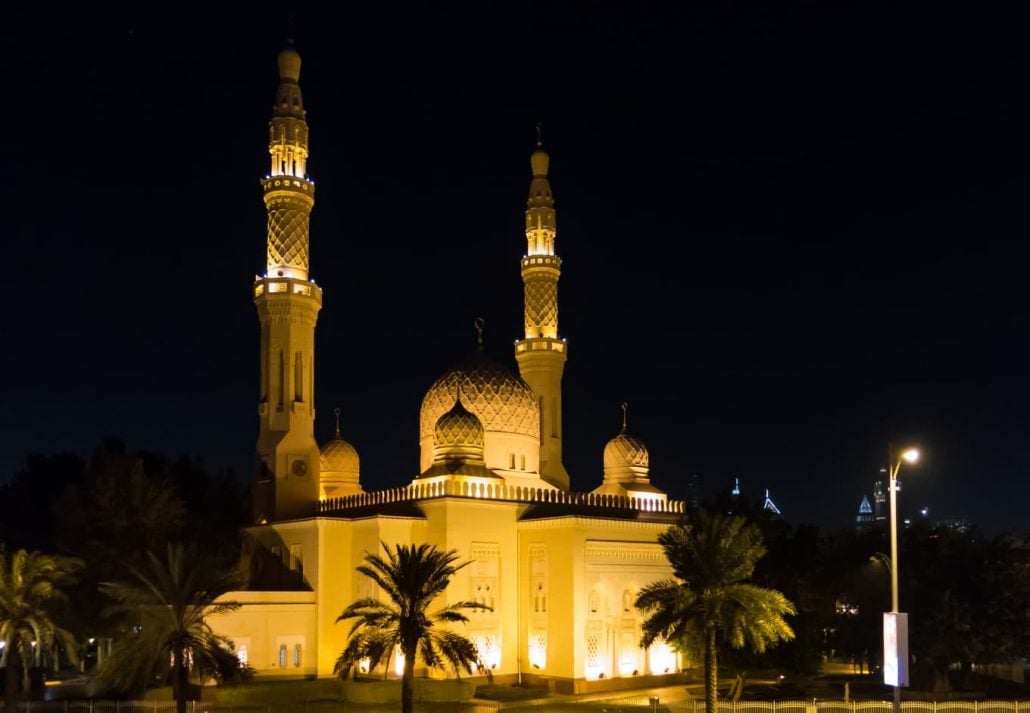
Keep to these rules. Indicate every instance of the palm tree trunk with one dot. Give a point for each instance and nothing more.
(408, 682)
(11, 681)
(179, 688)
(711, 672)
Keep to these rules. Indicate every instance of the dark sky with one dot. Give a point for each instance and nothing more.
(790, 234)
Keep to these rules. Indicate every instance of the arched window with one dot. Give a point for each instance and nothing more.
(296, 655)
(282, 655)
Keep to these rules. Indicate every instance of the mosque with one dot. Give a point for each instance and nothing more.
(559, 569)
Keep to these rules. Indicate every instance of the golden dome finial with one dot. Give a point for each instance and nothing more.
(336, 411)
(625, 413)
(479, 324)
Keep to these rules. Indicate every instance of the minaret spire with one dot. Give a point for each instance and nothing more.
(289, 193)
(288, 304)
(541, 355)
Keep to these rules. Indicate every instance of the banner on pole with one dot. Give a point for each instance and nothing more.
(895, 648)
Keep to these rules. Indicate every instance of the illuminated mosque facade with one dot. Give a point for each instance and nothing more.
(559, 569)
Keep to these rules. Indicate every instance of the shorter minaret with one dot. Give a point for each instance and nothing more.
(541, 355)
(287, 304)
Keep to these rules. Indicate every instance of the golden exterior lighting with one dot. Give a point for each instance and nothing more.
(558, 569)
(911, 455)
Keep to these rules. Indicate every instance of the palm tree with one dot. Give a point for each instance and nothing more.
(710, 602)
(30, 586)
(411, 577)
(168, 602)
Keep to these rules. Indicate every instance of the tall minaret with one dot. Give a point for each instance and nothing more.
(541, 355)
(287, 303)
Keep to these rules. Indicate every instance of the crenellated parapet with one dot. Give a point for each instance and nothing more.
(489, 489)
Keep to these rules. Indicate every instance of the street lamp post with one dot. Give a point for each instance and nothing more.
(908, 456)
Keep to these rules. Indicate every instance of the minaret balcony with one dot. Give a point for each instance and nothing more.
(293, 185)
(541, 262)
(540, 344)
(286, 286)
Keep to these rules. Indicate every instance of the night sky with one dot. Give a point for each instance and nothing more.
(789, 236)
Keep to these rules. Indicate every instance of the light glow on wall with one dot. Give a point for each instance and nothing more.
(538, 651)
(663, 658)
(398, 662)
(364, 665)
(489, 650)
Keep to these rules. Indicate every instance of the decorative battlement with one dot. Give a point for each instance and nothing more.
(498, 491)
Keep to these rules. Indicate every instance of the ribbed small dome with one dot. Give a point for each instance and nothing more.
(625, 451)
(459, 428)
(338, 456)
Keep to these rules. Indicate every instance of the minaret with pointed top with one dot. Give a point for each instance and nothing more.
(541, 355)
(288, 304)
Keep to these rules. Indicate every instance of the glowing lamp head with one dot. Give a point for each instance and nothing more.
(911, 455)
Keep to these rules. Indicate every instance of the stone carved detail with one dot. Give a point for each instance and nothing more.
(302, 311)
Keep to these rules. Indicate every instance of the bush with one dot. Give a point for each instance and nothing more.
(514, 692)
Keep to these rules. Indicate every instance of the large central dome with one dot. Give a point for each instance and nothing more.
(502, 401)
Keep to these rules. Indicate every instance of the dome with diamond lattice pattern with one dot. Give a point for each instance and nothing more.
(502, 401)
(625, 451)
(338, 456)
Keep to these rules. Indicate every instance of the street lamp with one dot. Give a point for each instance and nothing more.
(895, 628)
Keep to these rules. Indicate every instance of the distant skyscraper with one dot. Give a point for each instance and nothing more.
(880, 498)
(864, 519)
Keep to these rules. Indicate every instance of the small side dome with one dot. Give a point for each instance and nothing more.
(625, 451)
(340, 456)
(339, 466)
(627, 466)
(459, 432)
